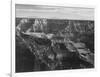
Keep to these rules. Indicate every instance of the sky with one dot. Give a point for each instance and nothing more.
(54, 12)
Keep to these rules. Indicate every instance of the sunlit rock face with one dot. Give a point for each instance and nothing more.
(40, 25)
(56, 44)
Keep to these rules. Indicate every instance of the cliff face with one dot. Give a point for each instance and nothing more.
(40, 25)
(52, 26)
(71, 46)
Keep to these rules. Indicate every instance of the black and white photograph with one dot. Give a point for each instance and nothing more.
(53, 38)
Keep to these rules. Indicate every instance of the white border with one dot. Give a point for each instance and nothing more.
(46, 73)
(13, 39)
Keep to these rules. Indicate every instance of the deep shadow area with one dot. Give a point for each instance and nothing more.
(24, 58)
